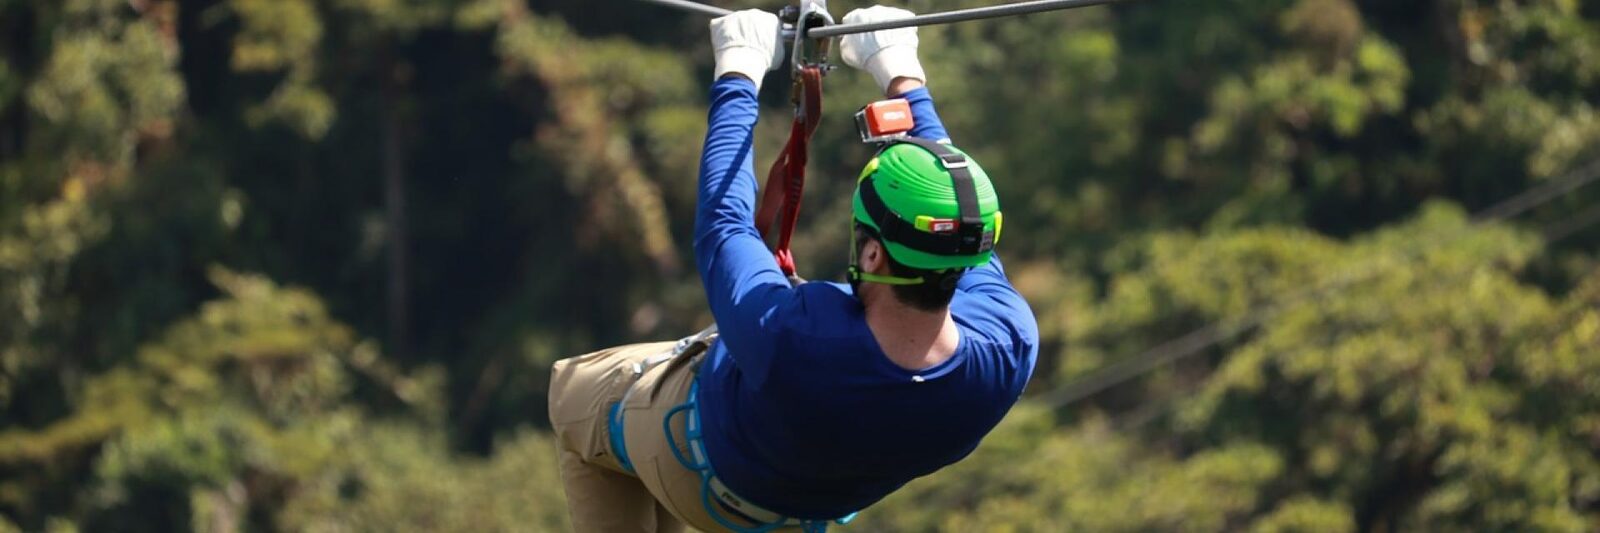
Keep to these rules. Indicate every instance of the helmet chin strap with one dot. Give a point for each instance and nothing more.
(858, 276)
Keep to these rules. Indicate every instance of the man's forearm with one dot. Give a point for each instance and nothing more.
(727, 177)
(927, 123)
(901, 85)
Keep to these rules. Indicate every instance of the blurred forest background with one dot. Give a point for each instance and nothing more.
(304, 264)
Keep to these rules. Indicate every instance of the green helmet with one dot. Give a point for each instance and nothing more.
(911, 196)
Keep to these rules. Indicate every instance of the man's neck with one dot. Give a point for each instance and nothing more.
(913, 339)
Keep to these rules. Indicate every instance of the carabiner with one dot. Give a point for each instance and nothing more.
(805, 52)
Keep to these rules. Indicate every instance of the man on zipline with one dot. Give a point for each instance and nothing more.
(817, 400)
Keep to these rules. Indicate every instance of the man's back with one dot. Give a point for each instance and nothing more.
(833, 425)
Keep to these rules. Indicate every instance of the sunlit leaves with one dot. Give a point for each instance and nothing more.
(1306, 514)
(383, 474)
(282, 38)
(1067, 481)
(274, 35)
(1389, 369)
(100, 89)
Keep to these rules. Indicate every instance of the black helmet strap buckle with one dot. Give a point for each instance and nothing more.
(969, 237)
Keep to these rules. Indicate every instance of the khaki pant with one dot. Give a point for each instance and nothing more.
(602, 497)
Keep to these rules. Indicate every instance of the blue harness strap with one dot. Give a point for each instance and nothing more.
(615, 415)
(698, 462)
(619, 446)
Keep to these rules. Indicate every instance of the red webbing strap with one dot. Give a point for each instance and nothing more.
(786, 180)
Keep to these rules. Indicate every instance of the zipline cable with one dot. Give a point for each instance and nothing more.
(696, 7)
(1197, 340)
(1561, 230)
(948, 17)
(1553, 232)
(960, 15)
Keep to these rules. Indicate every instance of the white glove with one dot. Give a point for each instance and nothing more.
(886, 54)
(747, 42)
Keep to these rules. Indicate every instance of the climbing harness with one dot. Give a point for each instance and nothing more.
(713, 492)
(714, 495)
(786, 180)
(614, 416)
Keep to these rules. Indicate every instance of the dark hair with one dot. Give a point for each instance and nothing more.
(936, 289)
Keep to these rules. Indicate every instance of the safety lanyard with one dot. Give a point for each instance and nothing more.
(786, 180)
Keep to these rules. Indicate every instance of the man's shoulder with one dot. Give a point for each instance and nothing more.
(827, 290)
(999, 319)
(821, 309)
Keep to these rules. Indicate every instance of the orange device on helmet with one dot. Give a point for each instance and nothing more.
(884, 121)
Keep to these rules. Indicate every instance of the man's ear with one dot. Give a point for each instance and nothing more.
(873, 257)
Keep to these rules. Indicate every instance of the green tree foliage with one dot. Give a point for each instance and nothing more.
(244, 417)
(1030, 476)
(304, 264)
(1400, 401)
(101, 85)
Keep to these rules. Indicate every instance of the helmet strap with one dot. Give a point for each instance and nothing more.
(971, 239)
(857, 276)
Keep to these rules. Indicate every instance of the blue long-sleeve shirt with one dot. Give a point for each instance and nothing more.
(802, 411)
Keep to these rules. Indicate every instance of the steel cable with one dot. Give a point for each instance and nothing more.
(960, 15)
(694, 7)
(1192, 343)
(948, 17)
